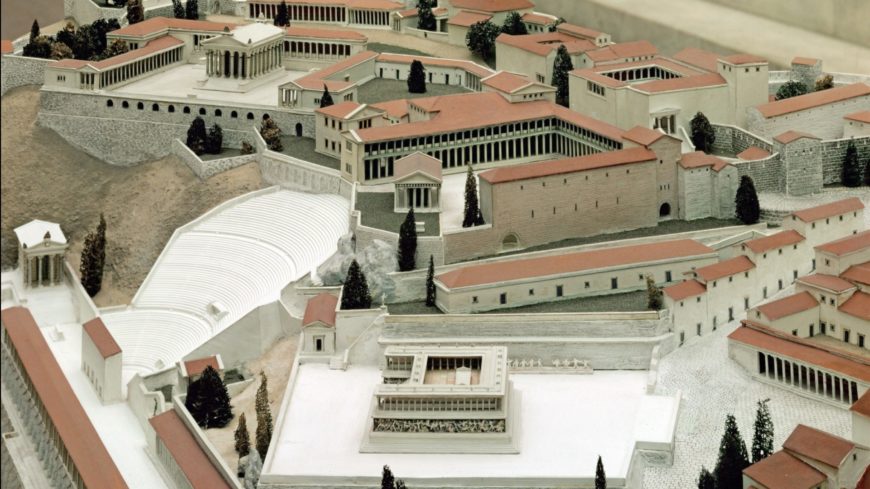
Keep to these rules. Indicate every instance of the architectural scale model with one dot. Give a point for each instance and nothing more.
(486, 247)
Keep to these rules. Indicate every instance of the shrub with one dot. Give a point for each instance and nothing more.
(247, 148)
(425, 18)
(325, 98)
(790, 89)
(196, 136)
(214, 142)
(824, 82)
(191, 10)
(480, 39)
(703, 135)
(851, 167)
(513, 25)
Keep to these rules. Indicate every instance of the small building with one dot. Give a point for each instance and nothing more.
(837, 256)
(41, 246)
(185, 462)
(822, 223)
(783, 471)
(857, 124)
(102, 361)
(417, 183)
(518, 88)
(780, 257)
(318, 324)
(190, 371)
(797, 314)
(243, 54)
(861, 420)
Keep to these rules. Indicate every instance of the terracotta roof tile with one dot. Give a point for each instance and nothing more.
(394, 108)
(790, 136)
(415, 162)
(858, 305)
(506, 81)
(101, 337)
(847, 245)
(157, 24)
(804, 61)
(538, 19)
(733, 266)
(462, 64)
(622, 50)
(753, 153)
(774, 241)
(591, 74)
(771, 340)
(318, 79)
(862, 405)
(493, 5)
(698, 57)
(581, 261)
(682, 83)
(544, 43)
(6, 46)
(859, 274)
(341, 110)
(699, 159)
(197, 366)
(863, 116)
(839, 207)
(320, 308)
(191, 459)
(85, 448)
(408, 13)
(829, 282)
(467, 19)
(567, 165)
(685, 289)
(643, 135)
(320, 33)
(660, 61)
(578, 31)
(788, 306)
(784, 471)
(743, 59)
(818, 445)
(159, 44)
(814, 99)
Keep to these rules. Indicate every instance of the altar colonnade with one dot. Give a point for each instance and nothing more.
(243, 63)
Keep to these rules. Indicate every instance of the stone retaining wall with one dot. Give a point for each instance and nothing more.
(732, 139)
(833, 153)
(17, 71)
(205, 169)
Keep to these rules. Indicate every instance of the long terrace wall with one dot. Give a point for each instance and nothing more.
(18, 71)
(208, 168)
(296, 174)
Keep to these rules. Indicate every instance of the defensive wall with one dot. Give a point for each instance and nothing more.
(18, 71)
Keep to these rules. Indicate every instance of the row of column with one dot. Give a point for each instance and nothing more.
(146, 65)
(237, 64)
(368, 17)
(438, 404)
(300, 13)
(304, 49)
(641, 74)
(416, 196)
(43, 270)
(809, 379)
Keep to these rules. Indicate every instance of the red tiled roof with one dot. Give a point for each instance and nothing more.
(771, 340)
(847, 245)
(753, 153)
(578, 31)
(394, 108)
(375, 4)
(738, 264)
(506, 81)
(493, 5)
(545, 42)
(191, 459)
(659, 61)
(814, 99)
(591, 74)
(863, 116)
(320, 33)
(504, 271)
(567, 165)
(829, 282)
(320, 308)
(862, 405)
(318, 79)
(788, 306)
(157, 24)
(812, 214)
(774, 241)
(818, 445)
(85, 448)
(858, 305)
(411, 12)
(197, 366)
(415, 162)
(340, 110)
(684, 290)
(699, 58)
(643, 135)
(539, 19)
(101, 337)
(784, 471)
(790, 136)
(858, 273)
(467, 19)
(623, 50)
(462, 64)
(6, 46)
(804, 61)
(699, 159)
(159, 44)
(682, 83)
(743, 59)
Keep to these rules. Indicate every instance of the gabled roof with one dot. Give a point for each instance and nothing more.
(774, 241)
(394, 108)
(828, 282)
(753, 153)
(254, 33)
(101, 337)
(733, 266)
(699, 159)
(685, 289)
(157, 24)
(681, 83)
(544, 43)
(818, 445)
(507, 82)
(196, 466)
(700, 58)
(34, 233)
(6, 46)
(743, 59)
(198, 366)
(467, 19)
(320, 308)
(578, 31)
(321, 33)
(863, 116)
(858, 305)
(859, 274)
(784, 471)
(317, 79)
(375, 4)
(817, 213)
(790, 136)
(621, 50)
(643, 135)
(847, 245)
(813, 99)
(418, 162)
(341, 110)
(862, 405)
(493, 5)
(154, 46)
(567, 165)
(788, 306)
(538, 18)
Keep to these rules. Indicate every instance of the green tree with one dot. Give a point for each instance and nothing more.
(762, 437)
(196, 136)
(562, 65)
(191, 9)
(472, 216)
(135, 12)
(600, 477)
(177, 9)
(214, 142)
(430, 283)
(513, 25)
(60, 50)
(38, 48)
(746, 203)
(706, 479)
(417, 78)
(34, 30)
(117, 48)
(93, 259)
(282, 17)
(387, 479)
(790, 89)
(67, 35)
(355, 294)
(703, 135)
(851, 167)
(326, 98)
(824, 82)
(653, 294)
(732, 457)
(408, 243)
(242, 437)
(480, 39)
(425, 18)
(208, 400)
(271, 134)
(264, 417)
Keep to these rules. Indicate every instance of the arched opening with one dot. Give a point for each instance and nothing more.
(298, 130)
(186, 110)
(140, 106)
(109, 103)
(234, 114)
(125, 104)
(218, 113)
(250, 116)
(155, 107)
(665, 210)
(202, 111)
(265, 116)
(171, 108)
(510, 242)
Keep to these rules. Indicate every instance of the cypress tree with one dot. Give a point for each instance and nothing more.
(430, 282)
(561, 66)
(326, 98)
(748, 209)
(851, 167)
(600, 478)
(417, 78)
(93, 259)
(513, 25)
(191, 10)
(282, 18)
(196, 136)
(215, 140)
(264, 418)
(732, 457)
(472, 215)
(387, 479)
(867, 171)
(408, 243)
(654, 294)
(355, 294)
(706, 479)
(242, 437)
(762, 437)
(34, 30)
(177, 9)
(425, 18)
(208, 400)
(703, 135)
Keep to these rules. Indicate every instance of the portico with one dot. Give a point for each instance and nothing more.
(245, 53)
(40, 253)
(417, 183)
